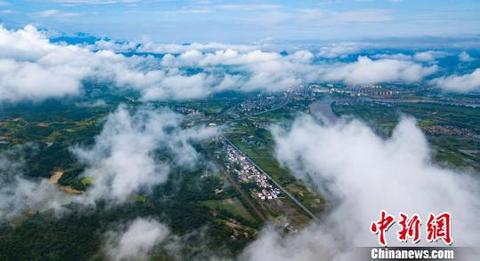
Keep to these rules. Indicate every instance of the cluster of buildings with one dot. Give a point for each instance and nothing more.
(449, 131)
(187, 111)
(248, 173)
(373, 92)
(260, 103)
(365, 90)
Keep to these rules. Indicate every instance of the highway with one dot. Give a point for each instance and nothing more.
(294, 200)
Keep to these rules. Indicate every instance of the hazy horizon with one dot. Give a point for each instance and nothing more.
(246, 21)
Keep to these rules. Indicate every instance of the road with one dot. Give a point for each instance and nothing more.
(289, 195)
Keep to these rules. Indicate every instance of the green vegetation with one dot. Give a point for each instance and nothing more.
(200, 205)
(452, 130)
(232, 206)
(252, 137)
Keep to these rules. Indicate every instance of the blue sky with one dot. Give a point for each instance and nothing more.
(247, 21)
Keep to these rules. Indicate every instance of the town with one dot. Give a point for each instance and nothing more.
(246, 172)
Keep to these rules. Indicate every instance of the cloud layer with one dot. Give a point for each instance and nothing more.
(459, 83)
(121, 162)
(21, 195)
(136, 240)
(361, 173)
(32, 68)
(366, 71)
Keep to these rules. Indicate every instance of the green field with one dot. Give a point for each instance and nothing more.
(231, 205)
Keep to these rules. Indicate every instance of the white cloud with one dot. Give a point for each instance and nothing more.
(148, 46)
(122, 160)
(397, 56)
(258, 70)
(338, 50)
(465, 57)
(21, 80)
(424, 57)
(362, 173)
(20, 195)
(111, 45)
(32, 68)
(428, 56)
(459, 83)
(180, 87)
(136, 240)
(366, 71)
(312, 243)
(270, 71)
